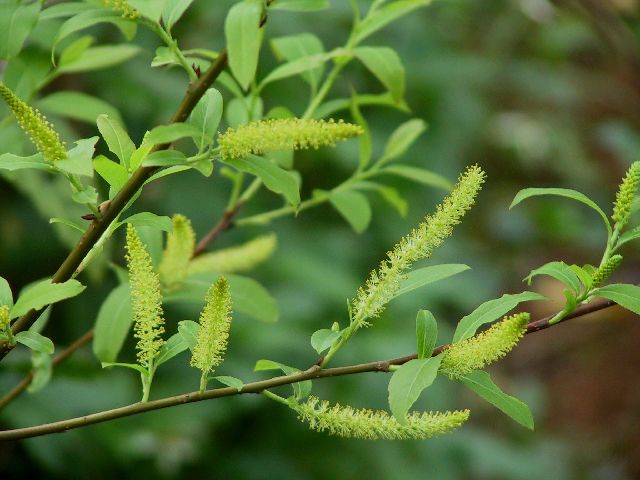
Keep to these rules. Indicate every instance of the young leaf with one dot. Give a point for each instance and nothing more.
(386, 65)
(491, 310)
(35, 341)
(242, 31)
(188, 329)
(624, 294)
(78, 159)
(385, 15)
(16, 23)
(300, 389)
(306, 50)
(6, 296)
(134, 366)
(561, 192)
(78, 106)
(117, 139)
(171, 133)
(480, 382)
(206, 117)
(229, 381)
(558, 270)
(419, 175)
(148, 219)
(45, 293)
(114, 174)
(299, 5)
(173, 346)
(426, 333)
(628, 236)
(173, 10)
(11, 162)
(583, 275)
(275, 178)
(389, 194)
(408, 382)
(323, 339)
(401, 139)
(41, 367)
(152, 9)
(354, 207)
(423, 276)
(112, 324)
(97, 58)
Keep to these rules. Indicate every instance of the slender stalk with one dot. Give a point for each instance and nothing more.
(315, 372)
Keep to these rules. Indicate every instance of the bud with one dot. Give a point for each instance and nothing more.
(626, 192)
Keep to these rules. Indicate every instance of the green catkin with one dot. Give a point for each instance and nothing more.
(215, 322)
(347, 422)
(475, 353)
(236, 259)
(605, 271)
(122, 7)
(283, 134)
(178, 252)
(146, 300)
(383, 283)
(35, 125)
(4, 318)
(625, 195)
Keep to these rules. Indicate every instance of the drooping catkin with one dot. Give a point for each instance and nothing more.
(383, 283)
(35, 125)
(215, 322)
(146, 300)
(178, 252)
(475, 353)
(347, 422)
(283, 134)
(235, 259)
(625, 195)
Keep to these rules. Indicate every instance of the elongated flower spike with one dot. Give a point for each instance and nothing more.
(35, 125)
(236, 259)
(4, 318)
(178, 252)
(383, 283)
(146, 300)
(605, 271)
(215, 322)
(485, 348)
(625, 195)
(123, 7)
(347, 422)
(283, 134)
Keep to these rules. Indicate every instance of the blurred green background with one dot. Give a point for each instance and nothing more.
(538, 93)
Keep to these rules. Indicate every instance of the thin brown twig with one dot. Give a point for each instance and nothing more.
(225, 222)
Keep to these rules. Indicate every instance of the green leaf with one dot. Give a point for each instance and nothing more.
(300, 66)
(558, 270)
(583, 275)
(423, 276)
(365, 146)
(490, 311)
(206, 117)
(41, 368)
(152, 9)
(561, 192)
(354, 207)
(138, 156)
(243, 35)
(115, 175)
(323, 339)
(480, 382)
(188, 329)
(6, 296)
(97, 58)
(45, 293)
(171, 133)
(229, 381)
(88, 194)
(11, 162)
(117, 139)
(69, 223)
(386, 65)
(173, 10)
(304, 51)
(299, 5)
(426, 333)
(75, 49)
(165, 158)
(300, 389)
(133, 366)
(78, 161)
(112, 324)
(419, 175)
(626, 236)
(389, 194)
(148, 219)
(624, 294)
(173, 346)
(61, 10)
(401, 139)
(330, 107)
(408, 382)
(381, 17)
(275, 178)
(77, 105)
(16, 23)
(35, 341)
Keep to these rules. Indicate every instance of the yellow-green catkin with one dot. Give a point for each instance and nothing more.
(283, 134)
(4, 318)
(605, 271)
(122, 7)
(383, 283)
(236, 259)
(625, 195)
(40, 131)
(178, 252)
(215, 322)
(146, 300)
(347, 422)
(485, 348)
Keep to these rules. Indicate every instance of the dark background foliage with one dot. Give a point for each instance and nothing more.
(538, 93)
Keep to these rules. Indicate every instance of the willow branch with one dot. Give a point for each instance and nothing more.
(313, 373)
(225, 222)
